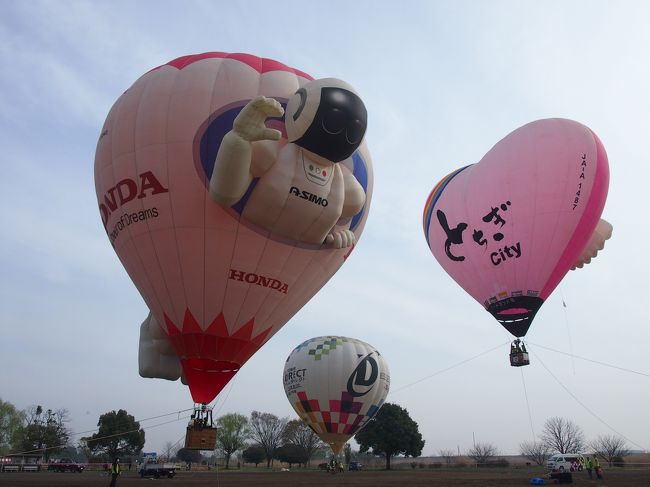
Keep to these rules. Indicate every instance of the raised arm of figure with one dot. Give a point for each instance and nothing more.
(232, 168)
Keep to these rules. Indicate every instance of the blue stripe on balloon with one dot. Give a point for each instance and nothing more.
(360, 172)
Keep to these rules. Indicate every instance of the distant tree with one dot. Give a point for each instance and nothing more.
(254, 454)
(347, 453)
(233, 431)
(298, 433)
(88, 454)
(267, 430)
(562, 436)
(169, 451)
(448, 456)
(610, 448)
(119, 434)
(44, 431)
(535, 451)
(482, 452)
(291, 454)
(391, 432)
(187, 455)
(75, 454)
(11, 423)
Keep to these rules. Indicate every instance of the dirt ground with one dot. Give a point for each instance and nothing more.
(297, 478)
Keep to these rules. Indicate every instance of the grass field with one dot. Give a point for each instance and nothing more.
(299, 478)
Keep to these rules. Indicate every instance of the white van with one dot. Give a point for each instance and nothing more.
(566, 462)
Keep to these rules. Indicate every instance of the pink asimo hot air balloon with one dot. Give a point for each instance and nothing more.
(508, 228)
(227, 219)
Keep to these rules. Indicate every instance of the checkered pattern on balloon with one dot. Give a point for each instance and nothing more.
(343, 416)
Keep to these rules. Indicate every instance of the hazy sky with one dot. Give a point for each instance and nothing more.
(443, 81)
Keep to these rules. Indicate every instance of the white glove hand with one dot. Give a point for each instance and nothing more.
(249, 124)
(341, 239)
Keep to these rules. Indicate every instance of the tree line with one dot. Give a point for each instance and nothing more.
(265, 437)
(44, 432)
(559, 435)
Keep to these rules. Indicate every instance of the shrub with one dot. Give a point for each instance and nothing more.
(498, 463)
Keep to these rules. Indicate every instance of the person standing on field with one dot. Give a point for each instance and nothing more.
(598, 469)
(589, 466)
(115, 472)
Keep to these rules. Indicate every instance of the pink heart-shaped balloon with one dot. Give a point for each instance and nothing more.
(508, 228)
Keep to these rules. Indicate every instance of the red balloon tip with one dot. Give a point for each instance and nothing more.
(206, 378)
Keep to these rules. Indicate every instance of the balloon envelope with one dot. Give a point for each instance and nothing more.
(336, 385)
(218, 286)
(508, 228)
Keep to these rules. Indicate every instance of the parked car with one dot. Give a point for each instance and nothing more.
(65, 465)
(566, 462)
(355, 466)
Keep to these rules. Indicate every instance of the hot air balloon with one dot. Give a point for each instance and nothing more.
(227, 219)
(508, 228)
(336, 385)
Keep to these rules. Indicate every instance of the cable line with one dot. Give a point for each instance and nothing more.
(568, 329)
(585, 406)
(450, 367)
(104, 437)
(591, 360)
(530, 417)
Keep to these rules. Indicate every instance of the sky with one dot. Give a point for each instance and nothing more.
(443, 82)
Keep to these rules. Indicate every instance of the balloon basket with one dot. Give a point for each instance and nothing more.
(519, 359)
(201, 433)
(518, 354)
(200, 438)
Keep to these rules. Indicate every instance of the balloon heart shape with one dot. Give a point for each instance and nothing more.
(508, 228)
(218, 287)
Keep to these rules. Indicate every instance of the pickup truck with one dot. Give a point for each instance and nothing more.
(157, 470)
(65, 465)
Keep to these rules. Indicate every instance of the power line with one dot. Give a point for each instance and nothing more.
(56, 447)
(141, 421)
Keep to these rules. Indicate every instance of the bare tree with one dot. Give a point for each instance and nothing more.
(535, 451)
(609, 448)
(267, 430)
(299, 434)
(169, 450)
(562, 436)
(482, 452)
(448, 455)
